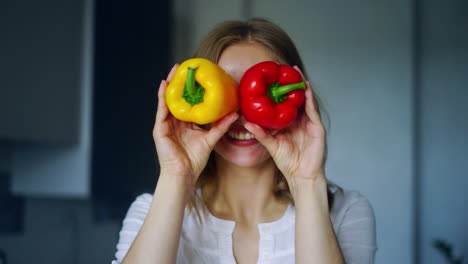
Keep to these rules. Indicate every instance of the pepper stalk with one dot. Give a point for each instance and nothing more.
(277, 92)
(193, 92)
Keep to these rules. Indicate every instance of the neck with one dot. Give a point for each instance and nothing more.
(245, 195)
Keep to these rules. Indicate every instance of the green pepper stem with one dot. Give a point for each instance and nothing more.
(193, 92)
(190, 81)
(277, 93)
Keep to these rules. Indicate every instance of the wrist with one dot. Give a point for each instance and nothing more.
(177, 184)
(308, 188)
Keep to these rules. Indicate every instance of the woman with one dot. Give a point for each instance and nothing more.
(223, 197)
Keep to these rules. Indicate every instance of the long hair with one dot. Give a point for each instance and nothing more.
(277, 40)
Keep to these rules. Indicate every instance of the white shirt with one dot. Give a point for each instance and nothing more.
(210, 241)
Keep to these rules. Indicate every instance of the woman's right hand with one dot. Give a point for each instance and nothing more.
(183, 148)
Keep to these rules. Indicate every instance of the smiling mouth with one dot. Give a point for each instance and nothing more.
(241, 135)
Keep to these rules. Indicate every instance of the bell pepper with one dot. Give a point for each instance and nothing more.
(201, 92)
(271, 95)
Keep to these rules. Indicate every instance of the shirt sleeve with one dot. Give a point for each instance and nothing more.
(356, 233)
(132, 223)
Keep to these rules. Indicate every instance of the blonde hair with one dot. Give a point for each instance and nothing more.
(277, 40)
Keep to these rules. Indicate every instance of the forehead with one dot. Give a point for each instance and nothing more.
(237, 58)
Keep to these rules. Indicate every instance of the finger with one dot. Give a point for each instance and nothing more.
(300, 71)
(162, 111)
(310, 107)
(172, 72)
(220, 128)
(264, 137)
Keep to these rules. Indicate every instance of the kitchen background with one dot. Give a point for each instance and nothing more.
(78, 86)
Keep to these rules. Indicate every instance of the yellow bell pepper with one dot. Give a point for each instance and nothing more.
(201, 92)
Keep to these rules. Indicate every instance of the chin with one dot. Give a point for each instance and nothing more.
(243, 162)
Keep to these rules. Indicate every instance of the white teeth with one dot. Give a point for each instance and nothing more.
(241, 135)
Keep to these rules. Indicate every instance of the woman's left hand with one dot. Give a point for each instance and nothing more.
(298, 150)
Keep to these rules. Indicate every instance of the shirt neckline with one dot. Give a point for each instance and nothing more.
(227, 226)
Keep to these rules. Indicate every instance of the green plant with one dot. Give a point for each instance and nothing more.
(446, 249)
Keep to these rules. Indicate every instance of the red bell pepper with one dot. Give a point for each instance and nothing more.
(271, 95)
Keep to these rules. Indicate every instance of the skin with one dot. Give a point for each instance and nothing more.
(245, 177)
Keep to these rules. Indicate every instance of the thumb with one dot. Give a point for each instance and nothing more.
(265, 138)
(220, 128)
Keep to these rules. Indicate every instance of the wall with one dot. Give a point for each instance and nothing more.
(192, 19)
(443, 127)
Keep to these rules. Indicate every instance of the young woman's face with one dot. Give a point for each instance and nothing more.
(238, 145)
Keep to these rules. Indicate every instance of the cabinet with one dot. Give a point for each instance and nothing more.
(122, 51)
(41, 69)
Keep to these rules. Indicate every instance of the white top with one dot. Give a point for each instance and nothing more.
(211, 242)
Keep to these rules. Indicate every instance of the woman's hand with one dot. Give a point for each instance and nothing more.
(298, 150)
(184, 148)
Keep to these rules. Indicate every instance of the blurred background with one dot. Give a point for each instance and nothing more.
(78, 83)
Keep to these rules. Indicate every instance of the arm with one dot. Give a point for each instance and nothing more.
(315, 239)
(158, 239)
